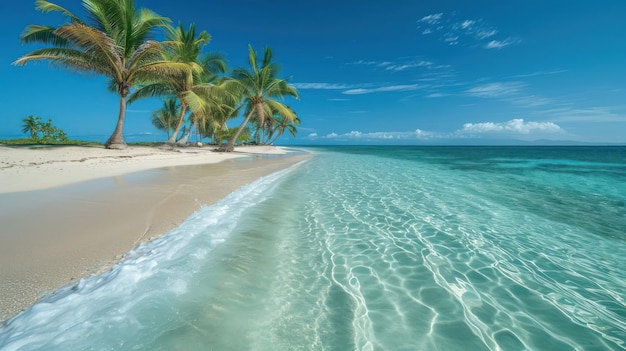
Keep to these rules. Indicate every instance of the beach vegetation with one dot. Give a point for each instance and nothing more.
(165, 118)
(31, 125)
(279, 126)
(201, 93)
(42, 132)
(225, 134)
(261, 89)
(33, 142)
(115, 41)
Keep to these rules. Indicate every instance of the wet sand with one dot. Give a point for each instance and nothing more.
(51, 237)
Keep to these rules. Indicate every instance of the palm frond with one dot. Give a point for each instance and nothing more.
(42, 34)
(94, 43)
(71, 59)
(213, 63)
(150, 90)
(252, 60)
(47, 7)
(281, 110)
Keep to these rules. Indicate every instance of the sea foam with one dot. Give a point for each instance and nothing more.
(104, 311)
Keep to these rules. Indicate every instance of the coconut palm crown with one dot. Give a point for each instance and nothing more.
(115, 41)
(197, 90)
(261, 87)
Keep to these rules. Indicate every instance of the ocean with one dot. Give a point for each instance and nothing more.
(373, 248)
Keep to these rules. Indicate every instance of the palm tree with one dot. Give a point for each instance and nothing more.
(280, 126)
(260, 87)
(165, 117)
(220, 95)
(114, 42)
(31, 126)
(194, 90)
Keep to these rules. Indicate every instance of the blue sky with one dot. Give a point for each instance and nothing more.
(395, 72)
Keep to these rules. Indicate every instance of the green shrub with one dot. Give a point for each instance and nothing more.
(43, 132)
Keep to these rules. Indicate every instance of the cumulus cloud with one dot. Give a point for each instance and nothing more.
(360, 91)
(373, 136)
(514, 126)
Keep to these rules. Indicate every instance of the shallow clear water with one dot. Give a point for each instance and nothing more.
(373, 248)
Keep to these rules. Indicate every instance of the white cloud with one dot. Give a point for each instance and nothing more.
(467, 23)
(356, 135)
(397, 68)
(540, 73)
(360, 91)
(363, 62)
(454, 31)
(493, 90)
(531, 101)
(452, 40)
(497, 44)
(432, 19)
(402, 64)
(515, 126)
(322, 86)
(484, 34)
(422, 134)
(593, 115)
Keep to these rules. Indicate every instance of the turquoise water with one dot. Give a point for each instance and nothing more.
(373, 248)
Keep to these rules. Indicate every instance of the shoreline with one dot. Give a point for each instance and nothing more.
(22, 167)
(54, 236)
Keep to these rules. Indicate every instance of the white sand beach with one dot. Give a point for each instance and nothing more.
(33, 168)
(69, 212)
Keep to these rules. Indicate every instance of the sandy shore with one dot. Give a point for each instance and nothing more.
(69, 212)
(33, 168)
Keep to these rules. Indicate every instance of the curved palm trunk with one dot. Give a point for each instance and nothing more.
(116, 141)
(183, 141)
(230, 146)
(172, 139)
(271, 142)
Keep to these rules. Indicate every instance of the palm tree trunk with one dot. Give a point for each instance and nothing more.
(271, 142)
(183, 141)
(116, 141)
(230, 146)
(172, 139)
